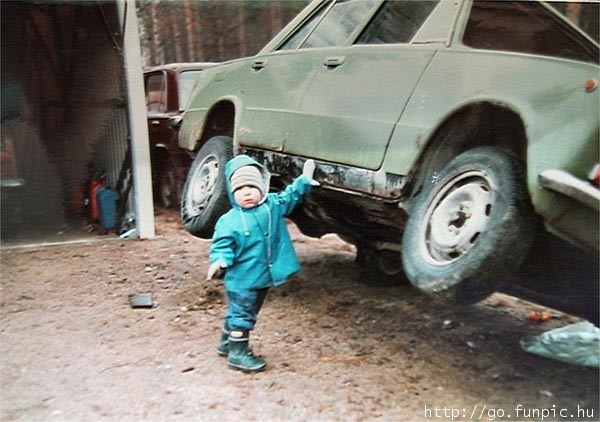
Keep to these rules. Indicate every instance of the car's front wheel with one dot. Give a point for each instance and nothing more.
(205, 197)
(470, 227)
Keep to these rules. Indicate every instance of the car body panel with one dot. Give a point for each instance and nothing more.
(556, 102)
(356, 116)
(272, 93)
(556, 108)
(372, 135)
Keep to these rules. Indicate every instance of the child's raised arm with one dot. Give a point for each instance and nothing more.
(301, 186)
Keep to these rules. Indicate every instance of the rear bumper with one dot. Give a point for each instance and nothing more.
(565, 183)
(12, 183)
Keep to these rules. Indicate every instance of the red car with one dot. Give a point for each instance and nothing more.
(168, 88)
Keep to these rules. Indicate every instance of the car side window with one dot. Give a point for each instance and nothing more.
(397, 21)
(156, 95)
(296, 39)
(525, 28)
(341, 20)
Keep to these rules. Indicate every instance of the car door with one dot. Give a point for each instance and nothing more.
(359, 90)
(272, 89)
(271, 85)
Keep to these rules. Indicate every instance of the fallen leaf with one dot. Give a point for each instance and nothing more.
(539, 316)
(336, 359)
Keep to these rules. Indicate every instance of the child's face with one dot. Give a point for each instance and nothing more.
(247, 196)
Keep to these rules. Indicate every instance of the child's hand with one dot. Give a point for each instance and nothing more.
(309, 171)
(216, 270)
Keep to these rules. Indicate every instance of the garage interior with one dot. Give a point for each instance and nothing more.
(65, 124)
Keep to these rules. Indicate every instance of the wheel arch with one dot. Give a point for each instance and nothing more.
(221, 120)
(475, 124)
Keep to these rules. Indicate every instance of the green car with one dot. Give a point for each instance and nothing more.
(447, 134)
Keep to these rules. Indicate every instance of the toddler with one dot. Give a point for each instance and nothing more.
(252, 245)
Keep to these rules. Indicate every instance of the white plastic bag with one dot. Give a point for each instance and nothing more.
(578, 344)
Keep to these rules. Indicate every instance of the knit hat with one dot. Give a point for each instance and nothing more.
(247, 176)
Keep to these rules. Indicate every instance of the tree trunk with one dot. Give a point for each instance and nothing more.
(573, 12)
(243, 51)
(276, 22)
(175, 21)
(190, 30)
(221, 53)
(159, 55)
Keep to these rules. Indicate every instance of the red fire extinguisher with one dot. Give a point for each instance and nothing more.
(94, 209)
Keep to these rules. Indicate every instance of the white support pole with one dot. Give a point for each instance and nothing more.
(136, 104)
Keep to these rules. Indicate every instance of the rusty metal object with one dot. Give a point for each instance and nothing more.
(363, 205)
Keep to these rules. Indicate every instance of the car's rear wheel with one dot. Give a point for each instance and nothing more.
(379, 266)
(204, 197)
(168, 179)
(470, 227)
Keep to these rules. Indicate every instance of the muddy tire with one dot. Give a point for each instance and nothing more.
(470, 228)
(204, 197)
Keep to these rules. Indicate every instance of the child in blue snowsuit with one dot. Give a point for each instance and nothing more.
(252, 243)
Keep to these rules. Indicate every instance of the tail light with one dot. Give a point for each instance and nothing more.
(594, 175)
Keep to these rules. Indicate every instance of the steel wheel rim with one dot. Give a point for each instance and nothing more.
(203, 184)
(456, 217)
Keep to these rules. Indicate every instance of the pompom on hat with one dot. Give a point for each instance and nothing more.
(247, 176)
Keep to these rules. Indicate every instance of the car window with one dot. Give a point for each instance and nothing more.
(341, 20)
(524, 27)
(187, 81)
(582, 14)
(156, 93)
(296, 39)
(397, 21)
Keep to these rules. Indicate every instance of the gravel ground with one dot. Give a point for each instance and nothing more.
(339, 346)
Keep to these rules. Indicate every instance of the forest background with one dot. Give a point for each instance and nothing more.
(219, 30)
(209, 30)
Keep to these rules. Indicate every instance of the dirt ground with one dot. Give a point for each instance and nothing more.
(338, 347)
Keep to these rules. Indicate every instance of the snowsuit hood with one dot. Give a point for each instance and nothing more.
(241, 161)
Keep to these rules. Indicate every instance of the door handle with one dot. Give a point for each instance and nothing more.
(259, 64)
(155, 122)
(334, 61)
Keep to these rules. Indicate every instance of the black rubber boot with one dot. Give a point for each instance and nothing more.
(240, 355)
(223, 347)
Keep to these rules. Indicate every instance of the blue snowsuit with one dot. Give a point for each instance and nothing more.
(255, 245)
